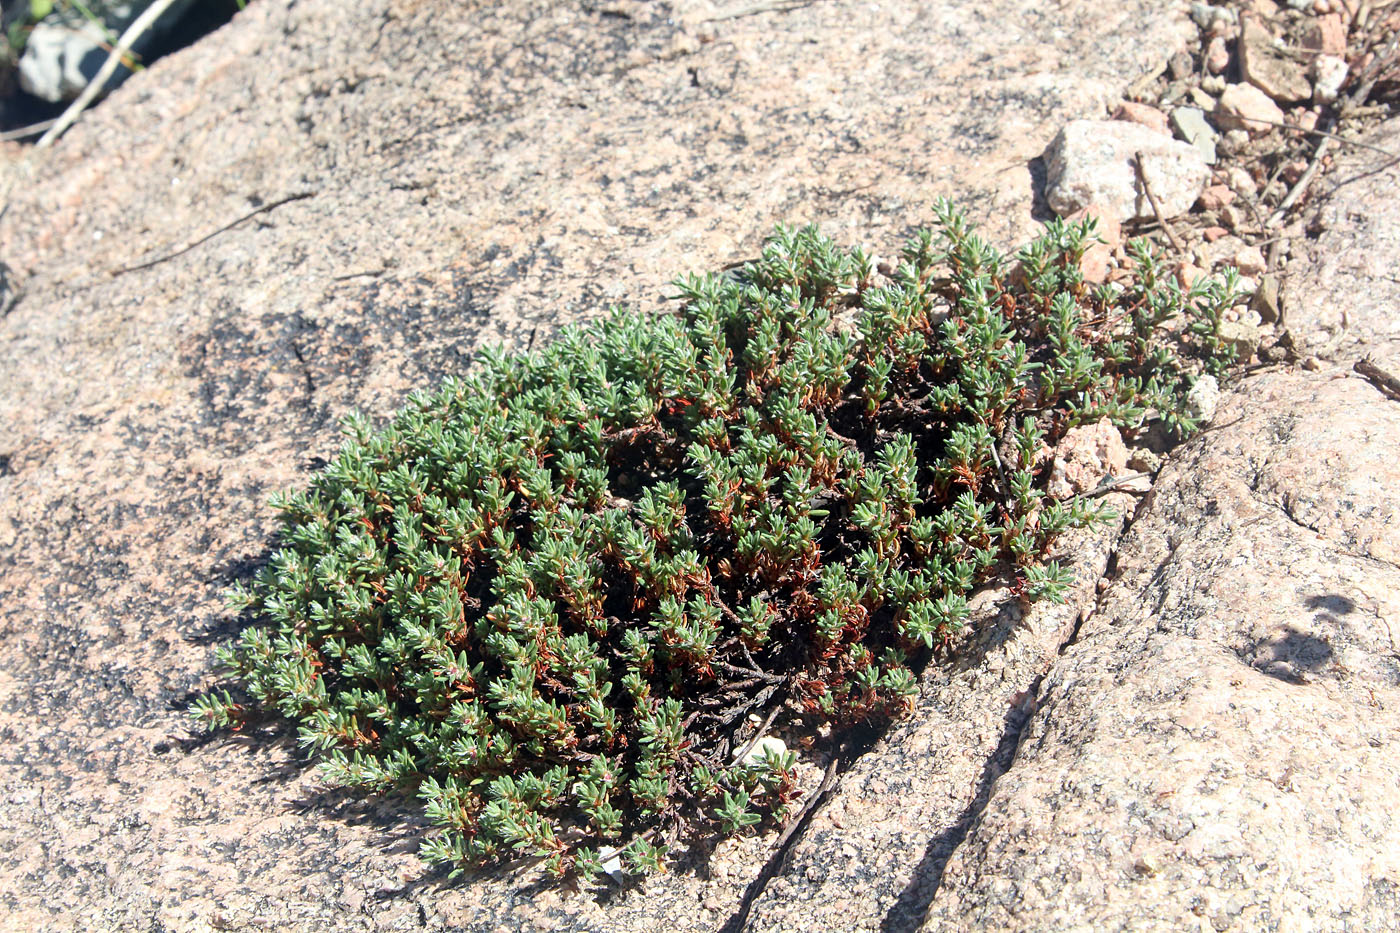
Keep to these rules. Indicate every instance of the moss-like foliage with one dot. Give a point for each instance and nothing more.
(549, 595)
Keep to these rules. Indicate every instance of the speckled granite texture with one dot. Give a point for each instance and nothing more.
(476, 173)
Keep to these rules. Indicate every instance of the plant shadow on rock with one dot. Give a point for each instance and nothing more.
(1039, 180)
(1288, 657)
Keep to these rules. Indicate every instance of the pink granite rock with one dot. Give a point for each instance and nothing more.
(1214, 197)
(1084, 457)
(476, 173)
(1217, 55)
(1267, 68)
(1327, 34)
(1348, 302)
(1249, 261)
(1143, 115)
(1098, 258)
(1245, 107)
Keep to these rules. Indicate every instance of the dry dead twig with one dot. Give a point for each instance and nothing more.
(1156, 209)
(1388, 385)
(768, 6)
(299, 196)
(114, 58)
(1302, 184)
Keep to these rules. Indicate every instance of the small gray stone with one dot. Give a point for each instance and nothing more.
(1094, 162)
(1203, 14)
(1190, 124)
(65, 50)
(1329, 74)
(1243, 337)
(1266, 300)
(1202, 399)
(59, 62)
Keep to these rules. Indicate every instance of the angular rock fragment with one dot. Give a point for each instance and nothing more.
(1191, 125)
(1250, 261)
(1244, 338)
(1245, 107)
(1326, 34)
(1266, 302)
(1095, 162)
(1263, 66)
(1216, 197)
(1329, 74)
(1143, 115)
(1217, 55)
(1085, 457)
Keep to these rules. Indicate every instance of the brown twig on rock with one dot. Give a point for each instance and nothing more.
(299, 196)
(133, 32)
(768, 6)
(738, 921)
(818, 795)
(1382, 380)
(1301, 185)
(1156, 210)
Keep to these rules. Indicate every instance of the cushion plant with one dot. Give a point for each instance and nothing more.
(549, 594)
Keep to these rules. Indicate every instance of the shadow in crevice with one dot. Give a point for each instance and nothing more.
(1039, 178)
(908, 911)
(858, 741)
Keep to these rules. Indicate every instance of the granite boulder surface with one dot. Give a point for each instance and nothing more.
(323, 206)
